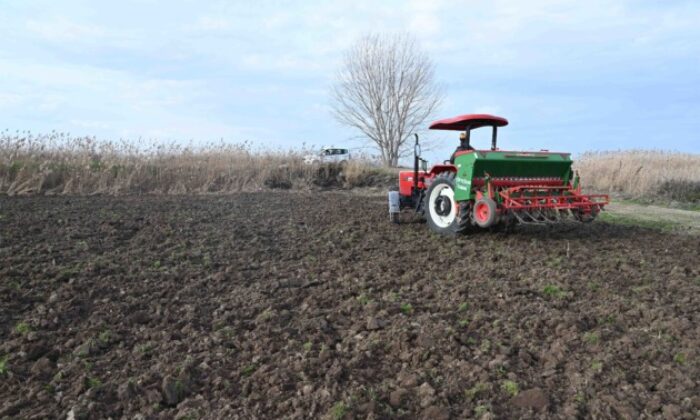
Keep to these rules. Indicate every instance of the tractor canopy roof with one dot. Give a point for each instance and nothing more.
(468, 122)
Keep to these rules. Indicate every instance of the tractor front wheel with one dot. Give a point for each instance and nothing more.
(440, 207)
(485, 212)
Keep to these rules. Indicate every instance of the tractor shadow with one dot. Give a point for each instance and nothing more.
(410, 218)
(572, 230)
(598, 230)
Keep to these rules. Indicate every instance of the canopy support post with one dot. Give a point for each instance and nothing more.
(494, 134)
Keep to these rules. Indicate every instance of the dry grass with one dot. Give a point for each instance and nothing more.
(642, 174)
(60, 164)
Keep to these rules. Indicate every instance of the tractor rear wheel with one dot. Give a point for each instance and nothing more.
(440, 207)
(485, 212)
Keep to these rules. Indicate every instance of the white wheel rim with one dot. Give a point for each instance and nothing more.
(445, 191)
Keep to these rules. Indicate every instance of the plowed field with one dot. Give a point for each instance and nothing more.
(302, 305)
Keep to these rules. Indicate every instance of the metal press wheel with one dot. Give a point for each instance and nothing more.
(485, 212)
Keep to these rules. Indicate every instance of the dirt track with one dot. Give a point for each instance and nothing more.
(300, 305)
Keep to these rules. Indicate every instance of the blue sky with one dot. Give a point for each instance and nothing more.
(569, 75)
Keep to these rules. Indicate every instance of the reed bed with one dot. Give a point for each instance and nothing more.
(646, 174)
(60, 164)
(57, 163)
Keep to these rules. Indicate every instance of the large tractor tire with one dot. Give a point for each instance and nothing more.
(485, 212)
(440, 207)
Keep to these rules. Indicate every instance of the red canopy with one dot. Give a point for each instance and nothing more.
(468, 121)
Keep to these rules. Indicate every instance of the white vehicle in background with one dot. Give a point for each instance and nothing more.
(328, 155)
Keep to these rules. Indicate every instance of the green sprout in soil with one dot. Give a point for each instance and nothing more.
(679, 358)
(480, 410)
(510, 387)
(609, 319)
(641, 289)
(179, 387)
(228, 332)
(338, 411)
(553, 291)
(406, 308)
(265, 315)
(248, 370)
(92, 382)
(22, 327)
(501, 370)
(463, 307)
(485, 346)
(308, 345)
(597, 366)
(144, 348)
(372, 393)
(104, 337)
(84, 349)
(3, 365)
(591, 338)
(475, 391)
(463, 322)
(555, 262)
(363, 299)
(68, 272)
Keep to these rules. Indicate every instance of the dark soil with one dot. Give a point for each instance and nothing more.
(306, 305)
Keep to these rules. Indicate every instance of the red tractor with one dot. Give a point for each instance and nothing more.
(492, 188)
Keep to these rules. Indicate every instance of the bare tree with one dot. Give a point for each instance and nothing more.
(385, 88)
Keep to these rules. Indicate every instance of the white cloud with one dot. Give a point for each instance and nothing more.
(211, 24)
(61, 29)
(91, 124)
(424, 18)
(9, 100)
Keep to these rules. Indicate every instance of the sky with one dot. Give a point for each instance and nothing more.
(569, 75)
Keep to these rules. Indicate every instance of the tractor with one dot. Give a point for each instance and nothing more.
(491, 189)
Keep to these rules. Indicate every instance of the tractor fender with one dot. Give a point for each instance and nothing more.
(438, 169)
